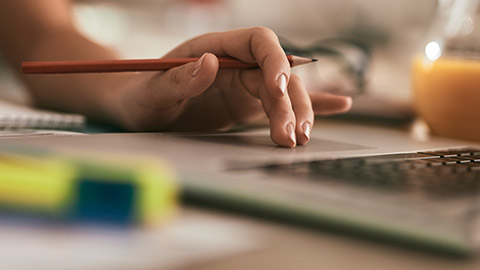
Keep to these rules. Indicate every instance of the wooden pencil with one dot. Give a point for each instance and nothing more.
(132, 65)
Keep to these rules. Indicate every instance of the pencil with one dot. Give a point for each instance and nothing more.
(130, 65)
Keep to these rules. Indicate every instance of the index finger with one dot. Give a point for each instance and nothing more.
(253, 45)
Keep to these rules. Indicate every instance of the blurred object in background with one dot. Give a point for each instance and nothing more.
(146, 28)
(193, 238)
(60, 210)
(17, 118)
(341, 68)
(107, 24)
(88, 189)
(195, 17)
(446, 81)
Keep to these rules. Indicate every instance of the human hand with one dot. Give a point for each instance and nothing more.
(200, 97)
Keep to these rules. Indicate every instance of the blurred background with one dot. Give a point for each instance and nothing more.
(366, 47)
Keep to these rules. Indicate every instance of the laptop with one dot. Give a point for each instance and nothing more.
(368, 180)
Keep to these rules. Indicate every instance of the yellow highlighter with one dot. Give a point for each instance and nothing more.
(86, 189)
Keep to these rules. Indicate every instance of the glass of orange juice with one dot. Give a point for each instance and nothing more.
(446, 80)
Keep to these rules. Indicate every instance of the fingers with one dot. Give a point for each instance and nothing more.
(302, 107)
(267, 52)
(282, 119)
(298, 105)
(326, 104)
(254, 45)
(291, 116)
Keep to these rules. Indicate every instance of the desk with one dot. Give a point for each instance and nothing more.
(275, 245)
(290, 247)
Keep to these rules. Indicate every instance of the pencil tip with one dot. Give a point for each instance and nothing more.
(297, 60)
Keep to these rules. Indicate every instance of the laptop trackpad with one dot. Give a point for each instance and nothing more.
(263, 142)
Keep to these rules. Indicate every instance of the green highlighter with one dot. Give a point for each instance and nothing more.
(113, 190)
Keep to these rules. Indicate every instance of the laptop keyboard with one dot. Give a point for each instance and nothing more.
(442, 174)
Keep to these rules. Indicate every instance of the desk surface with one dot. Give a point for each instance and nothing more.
(289, 247)
(280, 246)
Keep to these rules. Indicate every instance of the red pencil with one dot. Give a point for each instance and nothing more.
(61, 67)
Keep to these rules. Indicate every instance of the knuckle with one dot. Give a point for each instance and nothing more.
(176, 76)
(263, 31)
(283, 113)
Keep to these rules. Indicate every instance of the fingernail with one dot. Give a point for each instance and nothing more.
(282, 83)
(349, 103)
(198, 65)
(291, 133)
(306, 130)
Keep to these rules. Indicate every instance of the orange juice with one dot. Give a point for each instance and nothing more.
(447, 96)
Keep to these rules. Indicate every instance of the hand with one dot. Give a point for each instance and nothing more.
(200, 97)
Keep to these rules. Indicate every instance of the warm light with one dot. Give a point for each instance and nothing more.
(433, 51)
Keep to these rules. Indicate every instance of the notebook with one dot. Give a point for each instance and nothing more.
(16, 116)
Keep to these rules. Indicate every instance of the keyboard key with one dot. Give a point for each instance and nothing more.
(454, 152)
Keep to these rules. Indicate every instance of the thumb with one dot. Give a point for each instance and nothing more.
(186, 81)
